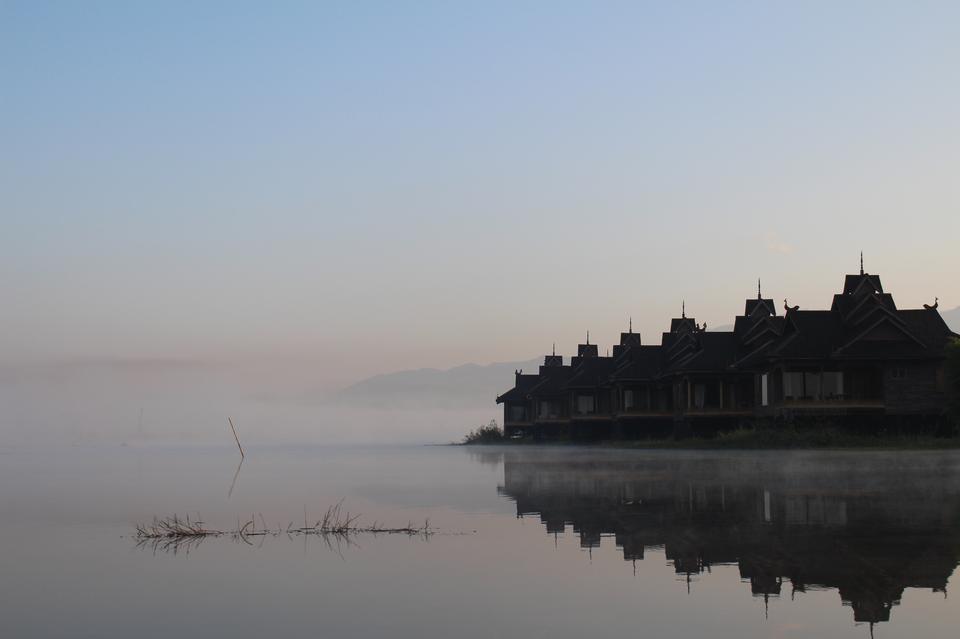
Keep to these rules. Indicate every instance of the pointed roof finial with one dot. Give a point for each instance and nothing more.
(683, 310)
(759, 296)
(861, 262)
(554, 349)
(631, 324)
(588, 338)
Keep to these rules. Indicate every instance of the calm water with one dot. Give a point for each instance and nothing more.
(533, 542)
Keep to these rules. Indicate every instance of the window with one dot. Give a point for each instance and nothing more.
(792, 385)
(811, 385)
(898, 373)
(699, 395)
(549, 408)
(518, 413)
(763, 390)
(628, 401)
(832, 385)
(584, 404)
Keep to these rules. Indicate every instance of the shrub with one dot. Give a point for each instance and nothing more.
(488, 434)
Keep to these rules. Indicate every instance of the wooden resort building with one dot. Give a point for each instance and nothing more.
(862, 364)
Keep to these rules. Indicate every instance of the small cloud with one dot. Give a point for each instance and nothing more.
(776, 245)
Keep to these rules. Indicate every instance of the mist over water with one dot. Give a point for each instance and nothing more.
(188, 401)
(530, 542)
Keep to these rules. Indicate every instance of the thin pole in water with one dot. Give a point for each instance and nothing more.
(230, 419)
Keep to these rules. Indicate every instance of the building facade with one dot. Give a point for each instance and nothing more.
(863, 363)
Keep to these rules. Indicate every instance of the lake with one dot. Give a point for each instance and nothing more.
(529, 541)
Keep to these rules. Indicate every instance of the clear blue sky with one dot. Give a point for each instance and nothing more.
(377, 186)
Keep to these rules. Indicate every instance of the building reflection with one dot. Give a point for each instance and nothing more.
(868, 526)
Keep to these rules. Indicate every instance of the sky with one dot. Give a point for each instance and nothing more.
(361, 187)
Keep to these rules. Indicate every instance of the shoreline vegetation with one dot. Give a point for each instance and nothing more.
(489, 433)
(754, 438)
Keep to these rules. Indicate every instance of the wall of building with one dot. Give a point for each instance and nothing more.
(911, 389)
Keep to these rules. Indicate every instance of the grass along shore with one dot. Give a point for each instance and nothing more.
(743, 439)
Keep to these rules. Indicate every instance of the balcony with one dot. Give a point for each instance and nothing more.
(833, 403)
(645, 412)
(717, 411)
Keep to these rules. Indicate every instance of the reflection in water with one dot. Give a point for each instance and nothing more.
(235, 475)
(869, 525)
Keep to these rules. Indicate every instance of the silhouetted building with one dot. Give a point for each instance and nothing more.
(863, 363)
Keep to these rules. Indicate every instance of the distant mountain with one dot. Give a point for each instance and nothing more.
(952, 318)
(467, 386)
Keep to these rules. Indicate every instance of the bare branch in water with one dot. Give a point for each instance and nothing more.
(336, 526)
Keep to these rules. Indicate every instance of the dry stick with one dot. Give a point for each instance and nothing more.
(235, 475)
(230, 419)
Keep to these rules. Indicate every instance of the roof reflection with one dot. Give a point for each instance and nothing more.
(869, 525)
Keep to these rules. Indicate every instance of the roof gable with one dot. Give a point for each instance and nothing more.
(766, 326)
(714, 351)
(682, 324)
(866, 305)
(643, 362)
(857, 284)
(885, 329)
(759, 307)
(591, 373)
(519, 392)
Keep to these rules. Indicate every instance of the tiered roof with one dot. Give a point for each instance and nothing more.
(863, 323)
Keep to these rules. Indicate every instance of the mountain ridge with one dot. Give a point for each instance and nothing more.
(467, 385)
(952, 318)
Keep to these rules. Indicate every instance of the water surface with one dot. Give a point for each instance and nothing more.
(542, 542)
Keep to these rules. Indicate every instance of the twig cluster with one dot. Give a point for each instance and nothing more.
(174, 527)
(338, 524)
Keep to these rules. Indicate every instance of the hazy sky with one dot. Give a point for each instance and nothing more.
(364, 187)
